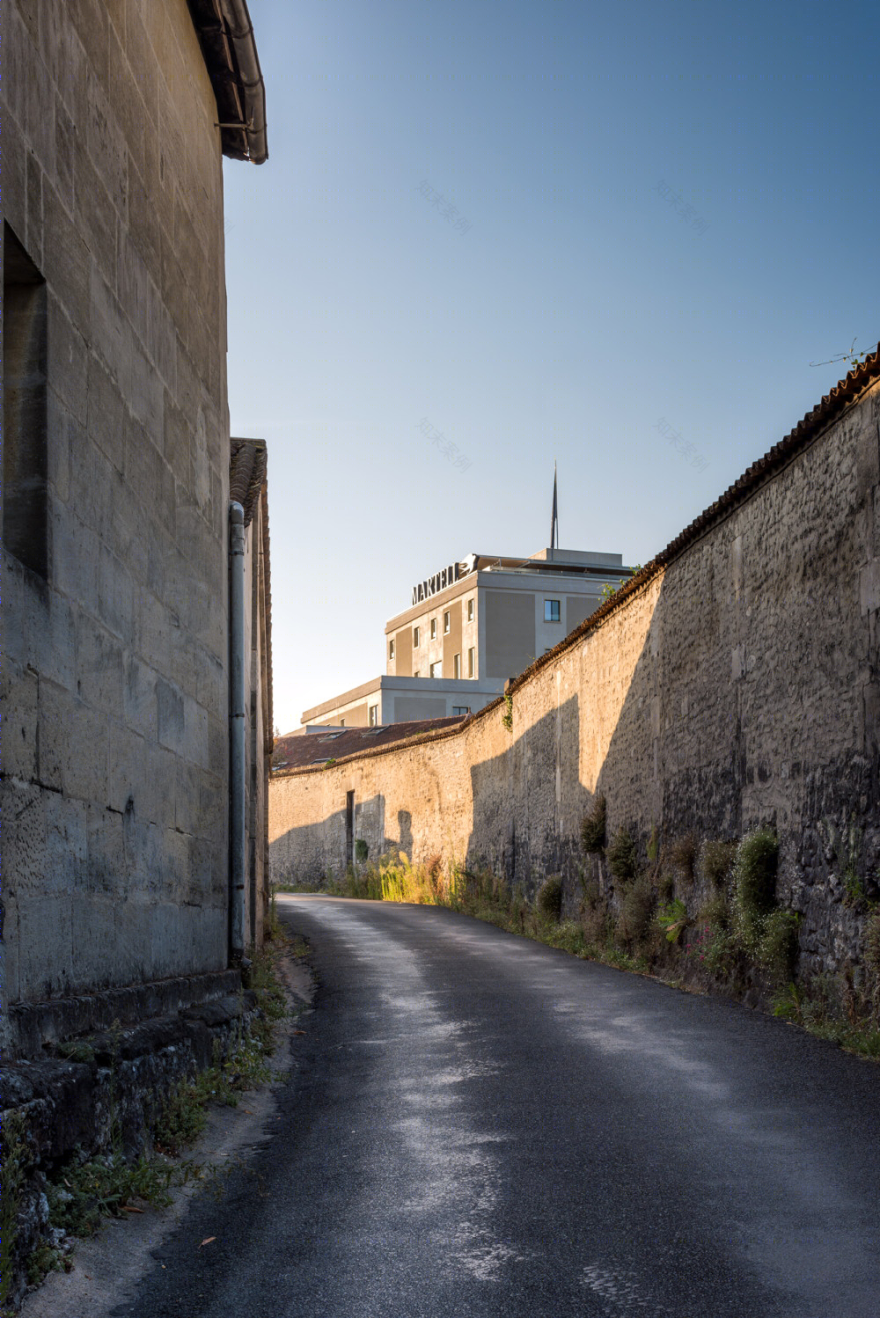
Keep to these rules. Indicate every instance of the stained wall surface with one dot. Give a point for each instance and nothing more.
(738, 685)
(114, 664)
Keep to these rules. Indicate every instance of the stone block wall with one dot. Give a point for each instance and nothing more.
(736, 683)
(115, 662)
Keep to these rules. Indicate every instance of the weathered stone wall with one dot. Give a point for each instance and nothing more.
(739, 685)
(115, 742)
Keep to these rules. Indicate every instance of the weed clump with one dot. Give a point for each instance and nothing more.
(755, 875)
(682, 854)
(872, 943)
(716, 862)
(636, 910)
(549, 900)
(593, 828)
(778, 948)
(622, 856)
(361, 850)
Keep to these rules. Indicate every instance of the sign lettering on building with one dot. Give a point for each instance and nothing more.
(440, 580)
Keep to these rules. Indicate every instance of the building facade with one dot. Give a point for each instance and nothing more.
(116, 486)
(472, 626)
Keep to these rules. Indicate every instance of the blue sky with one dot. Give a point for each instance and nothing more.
(662, 215)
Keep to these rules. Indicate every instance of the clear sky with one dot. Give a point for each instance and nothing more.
(663, 213)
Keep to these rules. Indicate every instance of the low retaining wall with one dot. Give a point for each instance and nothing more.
(735, 682)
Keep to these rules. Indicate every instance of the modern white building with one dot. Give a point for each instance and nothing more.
(470, 627)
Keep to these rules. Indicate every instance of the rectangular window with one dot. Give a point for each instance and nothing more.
(445, 624)
(342, 722)
(470, 613)
(417, 673)
(460, 709)
(25, 462)
(456, 665)
(374, 716)
(433, 629)
(417, 639)
(551, 611)
(390, 649)
(472, 662)
(437, 670)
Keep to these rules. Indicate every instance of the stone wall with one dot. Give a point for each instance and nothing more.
(115, 661)
(736, 682)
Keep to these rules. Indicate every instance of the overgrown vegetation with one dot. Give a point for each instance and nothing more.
(703, 916)
(507, 716)
(84, 1190)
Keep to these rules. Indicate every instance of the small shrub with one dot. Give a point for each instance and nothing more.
(361, 850)
(636, 910)
(622, 856)
(682, 853)
(507, 716)
(716, 862)
(665, 883)
(778, 948)
(593, 827)
(549, 901)
(653, 847)
(757, 858)
(872, 943)
(672, 919)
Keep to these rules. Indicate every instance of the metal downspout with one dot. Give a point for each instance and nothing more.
(237, 833)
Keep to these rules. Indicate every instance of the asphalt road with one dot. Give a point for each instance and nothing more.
(478, 1125)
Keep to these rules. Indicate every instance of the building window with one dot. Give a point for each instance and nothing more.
(390, 649)
(417, 673)
(472, 662)
(456, 666)
(374, 716)
(470, 613)
(433, 629)
(446, 623)
(25, 462)
(437, 670)
(460, 709)
(551, 611)
(417, 639)
(342, 722)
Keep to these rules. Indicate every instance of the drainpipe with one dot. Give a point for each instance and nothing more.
(237, 839)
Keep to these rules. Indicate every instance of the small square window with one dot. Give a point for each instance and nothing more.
(433, 629)
(437, 670)
(552, 611)
(460, 709)
(456, 665)
(374, 716)
(470, 612)
(390, 649)
(472, 662)
(446, 623)
(417, 638)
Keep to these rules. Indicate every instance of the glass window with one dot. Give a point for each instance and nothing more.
(552, 611)
(472, 662)
(461, 709)
(456, 665)
(417, 638)
(470, 612)
(390, 649)
(445, 623)
(374, 716)
(417, 673)
(433, 629)
(437, 670)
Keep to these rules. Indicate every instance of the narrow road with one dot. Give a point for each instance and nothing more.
(479, 1125)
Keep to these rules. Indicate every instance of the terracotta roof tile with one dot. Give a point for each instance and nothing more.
(247, 473)
(304, 750)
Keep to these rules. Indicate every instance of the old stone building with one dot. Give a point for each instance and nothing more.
(116, 491)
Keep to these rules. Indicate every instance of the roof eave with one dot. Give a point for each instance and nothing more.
(226, 36)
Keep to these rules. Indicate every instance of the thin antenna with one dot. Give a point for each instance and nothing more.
(554, 523)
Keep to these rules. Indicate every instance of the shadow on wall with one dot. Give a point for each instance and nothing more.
(311, 853)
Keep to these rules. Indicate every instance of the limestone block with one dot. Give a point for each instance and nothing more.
(96, 211)
(869, 586)
(24, 838)
(105, 413)
(126, 785)
(110, 332)
(45, 946)
(143, 856)
(89, 20)
(116, 596)
(65, 156)
(196, 725)
(146, 395)
(100, 668)
(20, 711)
(170, 717)
(94, 924)
(139, 697)
(66, 262)
(49, 634)
(14, 161)
(104, 138)
(66, 855)
(84, 748)
(106, 851)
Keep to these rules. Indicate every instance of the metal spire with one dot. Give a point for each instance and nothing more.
(554, 523)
